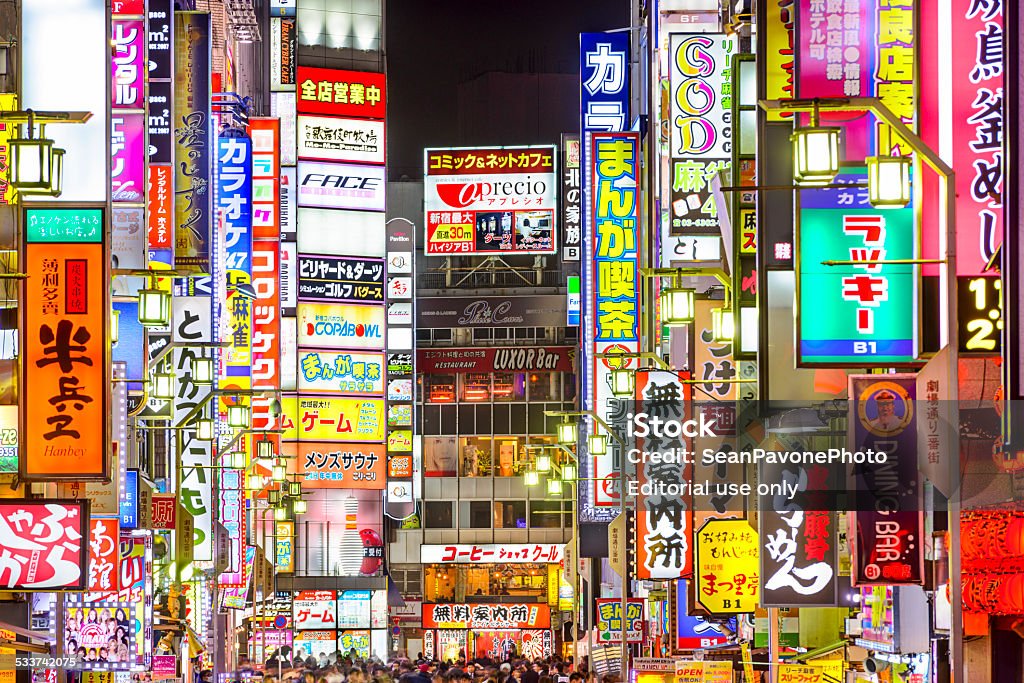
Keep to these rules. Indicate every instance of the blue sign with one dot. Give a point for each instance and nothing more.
(604, 82)
(130, 348)
(693, 633)
(130, 501)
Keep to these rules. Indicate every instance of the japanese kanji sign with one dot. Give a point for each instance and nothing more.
(861, 315)
(508, 553)
(159, 203)
(333, 139)
(609, 620)
(45, 544)
(66, 394)
(490, 200)
(341, 326)
(333, 92)
(342, 466)
(165, 508)
(341, 278)
(127, 157)
(727, 567)
(103, 555)
(572, 198)
(888, 519)
(484, 616)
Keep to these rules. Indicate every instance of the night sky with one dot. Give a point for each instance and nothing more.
(433, 45)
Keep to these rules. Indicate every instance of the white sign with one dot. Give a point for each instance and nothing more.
(341, 233)
(700, 65)
(334, 139)
(314, 614)
(282, 105)
(508, 553)
(289, 286)
(341, 186)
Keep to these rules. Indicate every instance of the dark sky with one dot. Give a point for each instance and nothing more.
(433, 45)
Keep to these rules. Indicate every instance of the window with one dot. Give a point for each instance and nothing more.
(476, 457)
(543, 386)
(439, 583)
(509, 386)
(476, 387)
(440, 456)
(475, 514)
(510, 514)
(544, 514)
(568, 386)
(440, 388)
(508, 454)
(437, 514)
(482, 334)
(409, 579)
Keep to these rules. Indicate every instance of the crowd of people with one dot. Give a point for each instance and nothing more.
(285, 665)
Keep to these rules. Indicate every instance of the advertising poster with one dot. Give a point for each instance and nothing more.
(334, 92)
(193, 144)
(341, 372)
(341, 326)
(572, 198)
(726, 567)
(858, 315)
(491, 200)
(314, 610)
(48, 544)
(333, 419)
(98, 634)
(66, 358)
(314, 643)
(486, 616)
(340, 186)
(888, 526)
(341, 278)
(609, 620)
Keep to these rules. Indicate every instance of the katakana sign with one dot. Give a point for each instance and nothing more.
(508, 553)
(483, 616)
(860, 315)
(45, 545)
(342, 466)
(341, 278)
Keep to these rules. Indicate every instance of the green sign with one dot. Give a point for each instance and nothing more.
(858, 315)
(64, 225)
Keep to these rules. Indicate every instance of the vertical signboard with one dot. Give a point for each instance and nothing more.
(859, 315)
(192, 220)
(402, 462)
(887, 534)
(700, 105)
(128, 109)
(572, 198)
(614, 160)
(604, 106)
(160, 124)
(726, 567)
(66, 393)
(192, 322)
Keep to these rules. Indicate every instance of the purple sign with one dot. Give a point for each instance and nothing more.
(128, 64)
(835, 59)
(127, 157)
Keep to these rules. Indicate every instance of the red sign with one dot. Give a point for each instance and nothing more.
(128, 7)
(165, 509)
(521, 359)
(159, 204)
(44, 545)
(340, 93)
(481, 616)
(103, 555)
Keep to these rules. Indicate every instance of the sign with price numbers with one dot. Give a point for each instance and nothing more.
(980, 315)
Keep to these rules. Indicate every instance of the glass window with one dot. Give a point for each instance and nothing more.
(510, 514)
(439, 583)
(475, 514)
(544, 514)
(476, 387)
(440, 388)
(568, 386)
(543, 386)
(476, 457)
(437, 514)
(509, 386)
(482, 334)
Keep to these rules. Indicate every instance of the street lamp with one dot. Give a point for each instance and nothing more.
(531, 477)
(569, 472)
(554, 487)
(204, 430)
(239, 416)
(255, 482)
(264, 449)
(567, 433)
(623, 382)
(36, 165)
(278, 472)
(273, 497)
(154, 307)
(723, 324)
(299, 507)
(202, 371)
(280, 513)
(543, 463)
(163, 386)
(295, 489)
(815, 153)
(888, 181)
(676, 305)
(597, 444)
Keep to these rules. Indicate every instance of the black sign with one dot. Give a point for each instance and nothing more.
(340, 278)
(491, 311)
(572, 198)
(399, 364)
(160, 56)
(161, 143)
(979, 307)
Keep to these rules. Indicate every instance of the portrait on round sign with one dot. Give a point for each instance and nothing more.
(885, 409)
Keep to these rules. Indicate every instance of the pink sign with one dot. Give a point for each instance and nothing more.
(128, 64)
(835, 60)
(127, 157)
(44, 545)
(165, 667)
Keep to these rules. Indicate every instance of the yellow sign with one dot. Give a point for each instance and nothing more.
(727, 566)
(617, 543)
(795, 673)
(8, 102)
(332, 419)
(703, 672)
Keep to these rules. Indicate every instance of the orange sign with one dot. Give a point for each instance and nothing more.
(160, 202)
(341, 465)
(66, 391)
(399, 466)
